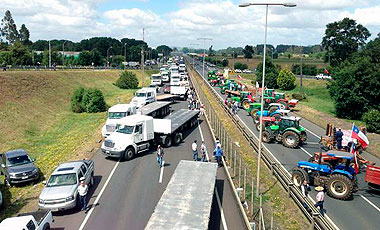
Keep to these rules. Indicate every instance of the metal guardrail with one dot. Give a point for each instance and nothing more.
(316, 219)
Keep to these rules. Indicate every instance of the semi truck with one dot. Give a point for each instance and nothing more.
(139, 133)
(144, 96)
(187, 200)
(156, 79)
(38, 220)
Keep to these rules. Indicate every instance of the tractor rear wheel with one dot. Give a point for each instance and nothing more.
(257, 125)
(266, 137)
(245, 104)
(298, 176)
(253, 112)
(340, 187)
(277, 116)
(272, 109)
(290, 139)
(284, 104)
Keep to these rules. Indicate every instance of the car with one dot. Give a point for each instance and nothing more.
(167, 89)
(238, 71)
(61, 190)
(38, 220)
(247, 71)
(18, 167)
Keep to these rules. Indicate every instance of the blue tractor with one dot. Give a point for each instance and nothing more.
(339, 179)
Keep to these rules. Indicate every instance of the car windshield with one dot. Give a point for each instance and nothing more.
(125, 129)
(116, 115)
(19, 160)
(62, 180)
(140, 94)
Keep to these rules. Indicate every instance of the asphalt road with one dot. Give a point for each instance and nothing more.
(133, 189)
(362, 212)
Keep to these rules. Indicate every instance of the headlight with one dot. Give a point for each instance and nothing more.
(34, 171)
(12, 175)
(70, 198)
(41, 201)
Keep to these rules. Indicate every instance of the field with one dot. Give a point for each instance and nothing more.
(35, 114)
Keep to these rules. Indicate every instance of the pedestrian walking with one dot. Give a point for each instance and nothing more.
(305, 188)
(320, 199)
(202, 109)
(339, 138)
(194, 147)
(82, 191)
(235, 107)
(219, 155)
(203, 152)
(160, 155)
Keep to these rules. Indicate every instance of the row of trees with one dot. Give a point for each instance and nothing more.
(17, 49)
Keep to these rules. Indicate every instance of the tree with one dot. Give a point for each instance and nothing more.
(248, 51)
(93, 100)
(241, 66)
(76, 104)
(85, 58)
(224, 62)
(286, 80)
(127, 80)
(9, 28)
(164, 49)
(271, 73)
(211, 52)
(96, 57)
(343, 38)
(24, 35)
(117, 60)
(20, 54)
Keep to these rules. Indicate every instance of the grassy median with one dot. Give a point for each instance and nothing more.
(35, 115)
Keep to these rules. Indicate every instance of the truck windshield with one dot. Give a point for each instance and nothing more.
(126, 129)
(140, 94)
(116, 115)
(62, 180)
(19, 160)
(156, 77)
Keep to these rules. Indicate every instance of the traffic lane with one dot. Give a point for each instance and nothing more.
(71, 219)
(134, 191)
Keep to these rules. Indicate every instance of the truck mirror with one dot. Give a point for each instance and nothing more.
(44, 182)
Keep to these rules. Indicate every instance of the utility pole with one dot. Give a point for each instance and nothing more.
(204, 52)
(301, 90)
(49, 55)
(63, 53)
(233, 55)
(142, 60)
(125, 51)
(193, 44)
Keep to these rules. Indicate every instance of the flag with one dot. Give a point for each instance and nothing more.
(360, 136)
(326, 71)
(239, 76)
(257, 85)
(356, 164)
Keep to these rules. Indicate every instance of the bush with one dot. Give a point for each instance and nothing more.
(77, 101)
(271, 73)
(127, 80)
(286, 80)
(224, 62)
(299, 96)
(241, 66)
(310, 70)
(88, 100)
(372, 120)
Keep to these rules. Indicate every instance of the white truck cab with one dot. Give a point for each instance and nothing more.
(175, 79)
(115, 113)
(173, 69)
(144, 96)
(156, 79)
(38, 220)
(182, 68)
(165, 76)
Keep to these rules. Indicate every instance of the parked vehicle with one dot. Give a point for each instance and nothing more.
(144, 96)
(339, 180)
(39, 220)
(165, 76)
(238, 71)
(139, 132)
(182, 68)
(247, 71)
(287, 130)
(61, 190)
(167, 89)
(372, 177)
(115, 113)
(156, 79)
(175, 79)
(18, 167)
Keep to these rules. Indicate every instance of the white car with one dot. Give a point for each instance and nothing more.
(247, 71)
(322, 76)
(238, 71)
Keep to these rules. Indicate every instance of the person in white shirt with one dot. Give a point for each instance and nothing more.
(203, 152)
(320, 199)
(194, 147)
(82, 190)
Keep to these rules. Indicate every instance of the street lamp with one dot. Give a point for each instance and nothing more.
(125, 51)
(108, 63)
(193, 44)
(63, 53)
(262, 81)
(204, 52)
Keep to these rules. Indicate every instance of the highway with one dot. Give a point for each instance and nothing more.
(362, 212)
(126, 193)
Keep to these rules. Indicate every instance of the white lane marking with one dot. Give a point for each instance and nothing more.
(306, 151)
(372, 204)
(312, 143)
(200, 130)
(312, 132)
(98, 197)
(221, 210)
(161, 172)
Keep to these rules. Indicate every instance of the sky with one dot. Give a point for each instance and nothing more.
(180, 23)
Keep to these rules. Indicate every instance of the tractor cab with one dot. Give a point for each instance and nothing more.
(290, 121)
(278, 96)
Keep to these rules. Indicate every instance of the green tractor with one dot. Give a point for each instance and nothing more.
(226, 86)
(243, 97)
(287, 130)
(212, 77)
(253, 108)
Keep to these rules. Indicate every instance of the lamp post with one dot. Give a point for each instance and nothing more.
(262, 81)
(63, 54)
(108, 63)
(49, 55)
(301, 86)
(204, 52)
(125, 51)
(193, 44)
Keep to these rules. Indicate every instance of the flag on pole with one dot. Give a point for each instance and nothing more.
(359, 135)
(326, 71)
(239, 76)
(356, 164)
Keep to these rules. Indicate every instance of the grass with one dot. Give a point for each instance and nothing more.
(36, 116)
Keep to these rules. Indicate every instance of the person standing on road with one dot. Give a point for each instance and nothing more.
(203, 152)
(160, 155)
(305, 188)
(320, 199)
(194, 147)
(339, 138)
(219, 155)
(82, 190)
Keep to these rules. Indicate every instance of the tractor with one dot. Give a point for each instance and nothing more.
(286, 130)
(253, 108)
(339, 180)
(276, 114)
(280, 98)
(243, 97)
(212, 78)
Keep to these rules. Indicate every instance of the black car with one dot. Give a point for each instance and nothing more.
(18, 167)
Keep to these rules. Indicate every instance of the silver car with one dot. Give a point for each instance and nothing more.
(61, 190)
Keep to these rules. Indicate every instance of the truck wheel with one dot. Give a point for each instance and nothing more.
(245, 104)
(266, 137)
(47, 226)
(340, 187)
(167, 141)
(290, 139)
(177, 138)
(129, 153)
(298, 176)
